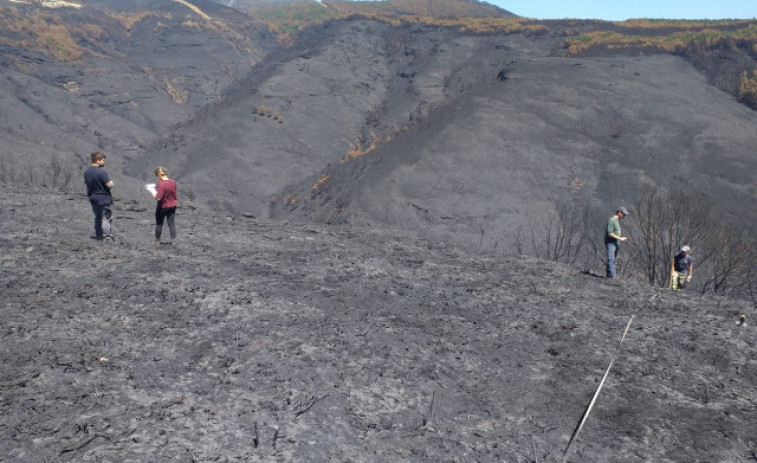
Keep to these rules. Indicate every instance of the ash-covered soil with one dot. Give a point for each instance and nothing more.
(260, 341)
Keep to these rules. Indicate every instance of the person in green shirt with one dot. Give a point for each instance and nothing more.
(613, 238)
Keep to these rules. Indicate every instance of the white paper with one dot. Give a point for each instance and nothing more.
(151, 187)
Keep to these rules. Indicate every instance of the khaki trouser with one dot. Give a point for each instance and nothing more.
(678, 281)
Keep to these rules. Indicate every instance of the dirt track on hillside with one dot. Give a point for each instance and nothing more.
(264, 341)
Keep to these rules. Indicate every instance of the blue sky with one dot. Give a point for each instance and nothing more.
(620, 10)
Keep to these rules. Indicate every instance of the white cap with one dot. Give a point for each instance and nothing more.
(685, 249)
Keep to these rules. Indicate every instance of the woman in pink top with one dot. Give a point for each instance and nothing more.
(166, 196)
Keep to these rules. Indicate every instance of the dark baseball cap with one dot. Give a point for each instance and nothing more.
(623, 210)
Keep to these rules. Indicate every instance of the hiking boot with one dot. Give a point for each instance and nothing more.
(173, 243)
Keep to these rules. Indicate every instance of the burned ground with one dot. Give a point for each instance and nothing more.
(257, 340)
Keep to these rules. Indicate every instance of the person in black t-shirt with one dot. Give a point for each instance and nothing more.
(682, 270)
(98, 190)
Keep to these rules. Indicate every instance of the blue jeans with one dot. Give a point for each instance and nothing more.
(612, 254)
(103, 220)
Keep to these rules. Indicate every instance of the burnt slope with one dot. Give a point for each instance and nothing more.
(341, 89)
(258, 341)
(508, 147)
(122, 74)
(472, 134)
